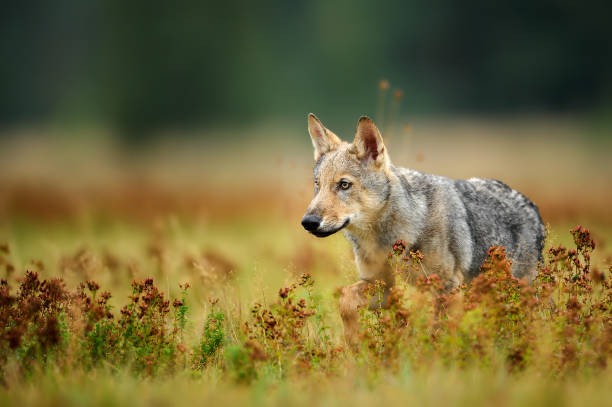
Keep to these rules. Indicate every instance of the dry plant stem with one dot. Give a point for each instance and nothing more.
(393, 114)
(383, 87)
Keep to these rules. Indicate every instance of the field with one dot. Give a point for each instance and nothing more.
(181, 274)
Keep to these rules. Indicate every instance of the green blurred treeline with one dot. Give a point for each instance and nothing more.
(139, 65)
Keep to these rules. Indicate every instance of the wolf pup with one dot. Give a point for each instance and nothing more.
(452, 222)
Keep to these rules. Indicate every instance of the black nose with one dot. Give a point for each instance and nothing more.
(311, 222)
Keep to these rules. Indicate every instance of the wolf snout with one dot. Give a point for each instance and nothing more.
(311, 222)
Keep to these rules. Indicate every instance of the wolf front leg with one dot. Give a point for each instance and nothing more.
(355, 297)
(352, 299)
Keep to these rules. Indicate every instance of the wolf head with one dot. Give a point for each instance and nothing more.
(351, 181)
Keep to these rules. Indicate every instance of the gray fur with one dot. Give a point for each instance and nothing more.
(482, 212)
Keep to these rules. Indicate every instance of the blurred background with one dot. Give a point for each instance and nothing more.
(168, 139)
(140, 67)
(141, 109)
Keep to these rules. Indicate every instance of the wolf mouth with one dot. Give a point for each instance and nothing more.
(325, 233)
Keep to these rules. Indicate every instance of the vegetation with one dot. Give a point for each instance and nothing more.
(522, 341)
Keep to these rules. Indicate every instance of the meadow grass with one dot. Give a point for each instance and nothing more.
(258, 323)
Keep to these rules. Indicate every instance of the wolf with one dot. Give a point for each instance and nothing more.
(451, 222)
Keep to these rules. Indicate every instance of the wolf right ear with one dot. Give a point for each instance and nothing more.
(323, 140)
(368, 144)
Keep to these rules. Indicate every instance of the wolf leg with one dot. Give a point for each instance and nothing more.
(352, 299)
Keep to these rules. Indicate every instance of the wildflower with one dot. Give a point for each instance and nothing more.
(582, 238)
(126, 311)
(417, 256)
(164, 306)
(49, 331)
(306, 280)
(30, 283)
(398, 247)
(14, 336)
(284, 292)
(137, 287)
(92, 285)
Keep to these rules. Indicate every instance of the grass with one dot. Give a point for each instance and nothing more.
(241, 334)
(441, 387)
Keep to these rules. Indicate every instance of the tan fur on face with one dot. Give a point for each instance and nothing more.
(335, 206)
(346, 162)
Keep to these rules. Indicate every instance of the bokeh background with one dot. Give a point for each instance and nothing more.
(124, 123)
(142, 66)
(168, 139)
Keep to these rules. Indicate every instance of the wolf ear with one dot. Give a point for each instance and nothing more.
(323, 140)
(368, 144)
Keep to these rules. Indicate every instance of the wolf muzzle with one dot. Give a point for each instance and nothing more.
(312, 224)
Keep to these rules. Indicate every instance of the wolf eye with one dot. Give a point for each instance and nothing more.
(344, 185)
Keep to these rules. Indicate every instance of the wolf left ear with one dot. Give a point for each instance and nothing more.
(323, 139)
(368, 144)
